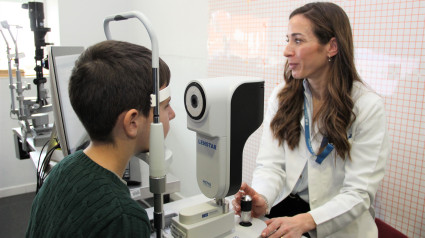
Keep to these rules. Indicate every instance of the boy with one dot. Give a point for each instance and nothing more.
(84, 195)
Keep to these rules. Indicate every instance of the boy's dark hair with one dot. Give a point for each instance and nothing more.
(109, 78)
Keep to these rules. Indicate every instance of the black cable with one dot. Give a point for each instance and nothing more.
(46, 162)
(38, 166)
(41, 174)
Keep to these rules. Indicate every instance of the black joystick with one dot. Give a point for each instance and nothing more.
(246, 206)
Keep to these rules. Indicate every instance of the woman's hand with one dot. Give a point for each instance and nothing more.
(259, 205)
(289, 227)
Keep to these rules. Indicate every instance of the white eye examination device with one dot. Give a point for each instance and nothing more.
(223, 112)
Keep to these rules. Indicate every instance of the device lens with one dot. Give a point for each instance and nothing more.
(194, 101)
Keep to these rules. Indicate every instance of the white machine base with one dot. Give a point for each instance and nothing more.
(238, 231)
(253, 231)
(220, 224)
(212, 227)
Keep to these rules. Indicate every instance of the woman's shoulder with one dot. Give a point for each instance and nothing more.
(277, 88)
(364, 93)
(367, 102)
(273, 99)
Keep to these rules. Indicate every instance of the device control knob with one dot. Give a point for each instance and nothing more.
(246, 206)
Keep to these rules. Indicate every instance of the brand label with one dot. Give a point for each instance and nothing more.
(206, 183)
(207, 144)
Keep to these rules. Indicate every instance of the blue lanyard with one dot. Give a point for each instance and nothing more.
(329, 147)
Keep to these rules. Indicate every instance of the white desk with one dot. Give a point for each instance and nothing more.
(35, 150)
(142, 191)
(176, 206)
(172, 209)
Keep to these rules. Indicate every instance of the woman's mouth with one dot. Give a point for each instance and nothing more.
(292, 65)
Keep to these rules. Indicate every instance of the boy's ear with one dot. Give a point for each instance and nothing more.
(132, 122)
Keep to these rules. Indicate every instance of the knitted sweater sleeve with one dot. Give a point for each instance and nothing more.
(126, 226)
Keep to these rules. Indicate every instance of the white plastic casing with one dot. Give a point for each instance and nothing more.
(209, 117)
(157, 168)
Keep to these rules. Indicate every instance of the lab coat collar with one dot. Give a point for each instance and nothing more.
(306, 86)
(308, 96)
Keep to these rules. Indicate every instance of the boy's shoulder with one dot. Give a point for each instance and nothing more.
(92, 196)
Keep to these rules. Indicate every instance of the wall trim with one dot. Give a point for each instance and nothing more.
(16, 190)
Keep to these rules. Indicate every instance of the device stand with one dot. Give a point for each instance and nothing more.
(209, 219)
(252, 231)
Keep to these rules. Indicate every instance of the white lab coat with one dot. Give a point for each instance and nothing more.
(341, 192)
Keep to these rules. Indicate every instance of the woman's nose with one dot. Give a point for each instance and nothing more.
(288, 51)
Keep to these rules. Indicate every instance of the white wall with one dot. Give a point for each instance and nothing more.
(16, 176)
(181, 28)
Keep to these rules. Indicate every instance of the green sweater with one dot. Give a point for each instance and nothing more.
(79, 198)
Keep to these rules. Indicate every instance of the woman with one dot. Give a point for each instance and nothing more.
(325, 142)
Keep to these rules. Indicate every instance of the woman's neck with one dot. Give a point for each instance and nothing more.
(317, 88)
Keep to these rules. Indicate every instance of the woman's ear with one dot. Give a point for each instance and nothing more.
(132, 122)
(333, 47)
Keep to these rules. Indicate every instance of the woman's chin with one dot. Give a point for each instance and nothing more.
(296, 76)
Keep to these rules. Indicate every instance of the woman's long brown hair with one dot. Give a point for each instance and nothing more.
(336, 115)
